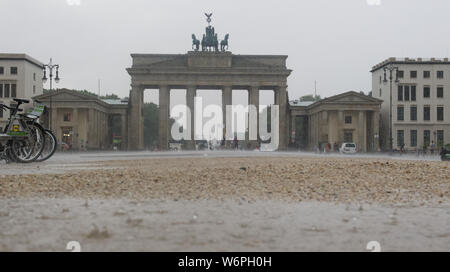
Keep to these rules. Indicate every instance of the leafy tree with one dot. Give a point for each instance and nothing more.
(310, 97)
(151, 125)
(110, 96)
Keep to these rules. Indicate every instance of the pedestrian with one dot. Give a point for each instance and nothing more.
(236, 142)
(432, 145)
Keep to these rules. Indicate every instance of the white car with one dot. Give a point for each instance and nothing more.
(348, 148)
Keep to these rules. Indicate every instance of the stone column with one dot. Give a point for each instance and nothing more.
(191, 92)
(164, 107)
(293, 130)
(341, 126)
(281, 102)
(135, 119)
(75, 129)
(227, 99)
(376, 130)
(91, 127)
(361, 132)
(123, 132)
(253, 99)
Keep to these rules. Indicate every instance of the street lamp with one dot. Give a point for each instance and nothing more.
(391, 68)
(50, 66)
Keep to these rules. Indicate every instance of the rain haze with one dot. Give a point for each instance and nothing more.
(351, 173)
(332, 42)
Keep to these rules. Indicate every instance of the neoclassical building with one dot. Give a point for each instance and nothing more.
(208, 71)
(83, 121)
(347, 117)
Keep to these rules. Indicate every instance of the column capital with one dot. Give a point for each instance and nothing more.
(137, 86)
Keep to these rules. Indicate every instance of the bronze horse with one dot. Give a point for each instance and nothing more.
(195, 43)
(224, 43)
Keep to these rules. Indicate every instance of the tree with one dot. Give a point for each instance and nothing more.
(110, 96)
(151, 124)
(310, 97)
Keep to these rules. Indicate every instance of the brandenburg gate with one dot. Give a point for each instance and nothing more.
(212, 68)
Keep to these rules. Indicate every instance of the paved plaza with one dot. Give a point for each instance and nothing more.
(225, 201)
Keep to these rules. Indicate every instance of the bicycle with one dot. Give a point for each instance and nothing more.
(22, 139)
(50, 138)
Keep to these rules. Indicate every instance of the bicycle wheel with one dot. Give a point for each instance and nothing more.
(49, 148)
(28, 150)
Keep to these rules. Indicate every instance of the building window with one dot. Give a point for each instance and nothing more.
(413, 138)
(1, 90)
(426, 74)
(1, 116)
(400, 93)
(2, 70)
(400, 113)
(13, 90)
(440, 92)
(34, 89)
(400, 137)
(380, 79)
(440, 138)
(400, 74)
(426, 113)
(406, 93)
(426, 92)
(413, 74)
(67, 117)
(413, 113)
(34, 76)
(348, 136)
(413, 93)
(381, 92)
(440, 74)
(13, 70)
(440, 113)
(6, 90)
(348, 119)
(426, 138)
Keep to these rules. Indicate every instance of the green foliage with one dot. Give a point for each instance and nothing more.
(110, 96)
(310, 97)
(151, 117)
(150, 112)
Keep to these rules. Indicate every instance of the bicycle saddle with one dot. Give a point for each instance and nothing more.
(25, 101)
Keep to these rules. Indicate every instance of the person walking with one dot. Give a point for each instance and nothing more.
(236, 143)
(432, 146)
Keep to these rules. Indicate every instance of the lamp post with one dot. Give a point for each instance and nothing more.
(391, 68)
(50, 66)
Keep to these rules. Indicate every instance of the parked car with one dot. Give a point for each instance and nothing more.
(348, 148)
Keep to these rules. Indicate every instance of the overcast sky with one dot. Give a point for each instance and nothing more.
(333, 42)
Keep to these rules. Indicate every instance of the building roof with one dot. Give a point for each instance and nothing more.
(115, 101)
(23, 57)
(72, 95)
(347, 97)
(300, 103)
(409, 61)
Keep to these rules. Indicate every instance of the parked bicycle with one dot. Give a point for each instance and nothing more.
(22, 139)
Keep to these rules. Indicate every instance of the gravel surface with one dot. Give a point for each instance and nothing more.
(212, 225)
(248, 179)
(208, 202)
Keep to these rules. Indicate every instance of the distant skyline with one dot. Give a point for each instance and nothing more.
(332, 42)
